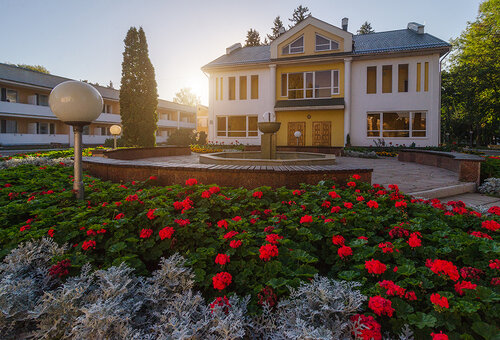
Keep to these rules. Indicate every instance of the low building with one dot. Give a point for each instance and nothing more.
(332, 86)
(202, 118)
(26, 118)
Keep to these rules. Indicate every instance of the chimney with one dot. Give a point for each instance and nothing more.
(233, 48)
(344, 23)
(416, 27)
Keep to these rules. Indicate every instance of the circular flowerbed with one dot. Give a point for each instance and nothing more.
(430, 265)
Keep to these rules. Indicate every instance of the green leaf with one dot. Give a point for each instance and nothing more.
(406, 270)
(117, 247)
(277, 282)
(199, 275)
(422, 320)
(348, 275)
(486, 330)
(303, 256)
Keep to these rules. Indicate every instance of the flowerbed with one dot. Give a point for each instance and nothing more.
(431, 265)
(205, 148)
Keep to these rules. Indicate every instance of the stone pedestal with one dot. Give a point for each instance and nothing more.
(268, 139)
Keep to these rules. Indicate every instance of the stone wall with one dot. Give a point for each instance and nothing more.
(138, 153)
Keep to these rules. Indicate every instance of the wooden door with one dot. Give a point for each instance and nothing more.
(322, 133)
(296, 126)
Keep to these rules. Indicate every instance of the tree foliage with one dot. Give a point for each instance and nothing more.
(277, 27)
(366, 28)
(299, 14)
(138, 93)
(470, 94)
(253, 38)
(187, 97)
(37, 68)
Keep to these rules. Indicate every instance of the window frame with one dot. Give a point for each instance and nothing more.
(330, 41)
(410, 124)
(255, 133)
(334, 90)
(7, 95)
(289, 47)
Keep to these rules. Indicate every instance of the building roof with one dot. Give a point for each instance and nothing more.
(29, 77)
(309, 102)
(381, 42)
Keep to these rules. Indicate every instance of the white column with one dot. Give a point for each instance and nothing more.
(178, 120)
(347, 98)
(272, 89)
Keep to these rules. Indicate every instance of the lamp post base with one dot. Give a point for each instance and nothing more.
(77, 164)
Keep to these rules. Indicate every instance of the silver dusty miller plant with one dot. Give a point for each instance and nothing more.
(37, 161)
(490, 186)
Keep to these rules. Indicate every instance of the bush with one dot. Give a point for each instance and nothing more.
(490, 167)
(182, 137)
(110, 142)
(401, 250)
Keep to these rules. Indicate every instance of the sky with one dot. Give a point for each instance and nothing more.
(83, 39)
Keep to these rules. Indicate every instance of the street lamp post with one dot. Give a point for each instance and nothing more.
(297, 135)
(77, 104)
(115, 131)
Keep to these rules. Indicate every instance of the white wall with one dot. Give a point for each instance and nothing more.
(362, 102)
(226, 107)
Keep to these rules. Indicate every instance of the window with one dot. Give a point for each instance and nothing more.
(8, 126)
(319, 84)
(45, 128)
(237, 126)
(11, 96)
(419, 76)
(396, 124)
(255, 87)
(243, 87)
(426, 77)
(43, 100)
(296, 46)
(106, 108)
(221, 91)
(371, 79)
(325, 44)
(86, 130)
(216, 88)
(387, 79)
(403, 78)
(232, 88)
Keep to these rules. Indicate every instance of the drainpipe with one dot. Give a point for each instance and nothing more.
(347, 98)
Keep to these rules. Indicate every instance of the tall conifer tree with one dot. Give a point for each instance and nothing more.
(138, 93)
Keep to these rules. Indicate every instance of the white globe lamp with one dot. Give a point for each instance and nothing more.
(115, 131)
(78, 104)
(297, 135)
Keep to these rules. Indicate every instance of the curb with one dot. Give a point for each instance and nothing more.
(452, 190)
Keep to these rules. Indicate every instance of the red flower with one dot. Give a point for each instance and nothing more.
(206, 194)
(348, 205)
(51, 232)
(334, 195)
(297, 192)
(338, 240)
(273, 238)
(326, 204)
(178, 205)
(356, 176)
(471, 272)
(481, 235)
(257, 194)
(366, 328)
(222, 224)
(392, 288)
(166, 232)
(363, 238)
(439, 300)
(214, 190)
(146, 233)
(491, 225)
(494, 264)
(372, 204)
(460, 286)
(266, 295)
(441, 267)
(393, 187)
(344, 251)
(375, 266)
(151, 214)
(131, 198)
(414, 241)
(399, 204)
(119, 216)
(439, 336)
(335, 209)
(191, 182)
(60, 269)
(231, 234)
(494, 210)
(222, 259)
(153, 178)
(182, 222)
(351, 184)
(386, 247)
(88, 244)
(306, 219)
(410, 296)
(267, 251)
(235, 243)
(222, 280)
(221, 302)
(236, 218)
(380, 306)
(360, 198)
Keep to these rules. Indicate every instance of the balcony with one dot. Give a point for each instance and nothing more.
(31, 139)
(173, 124)
(26, 110)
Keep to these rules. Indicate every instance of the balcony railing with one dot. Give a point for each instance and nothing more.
(31, 139)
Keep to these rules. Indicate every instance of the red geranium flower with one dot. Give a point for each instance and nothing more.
(191, 182)
(414, 241)
(222, 224)
(222, 280)
(439, 336)
(380, 306)
(460, 286)
(491, 225)
(88, 244)
(356, 176)
(494, 210)
(366, 328)
(235, 243)
(166, 232)
(494, 264)
(146, 233)
(372, 204)
(267, 251)
(257, 194)
(439, 300)
(306, 219)
(153, 178)
(399, 204)
(214, 190)
(334, 195)
(273, 238)
(351, 184)
(151, 214)
(206, 194)
(344, 251)
(348, 205)
(119, 216)
(335, 209)
(230, 234)
(51, 232)
(222, 259)
(338, 240)
(441, 267)
(375, 266)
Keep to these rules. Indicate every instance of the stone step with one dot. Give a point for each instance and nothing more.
(448, 191)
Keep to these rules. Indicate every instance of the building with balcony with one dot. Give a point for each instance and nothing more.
(26, 118)
(202, 118)
(332, 86)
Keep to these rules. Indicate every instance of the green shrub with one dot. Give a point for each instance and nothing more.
(182, 137)
(131, 223)
(490, 168)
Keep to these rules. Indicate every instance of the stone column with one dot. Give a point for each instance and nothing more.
(347, 98)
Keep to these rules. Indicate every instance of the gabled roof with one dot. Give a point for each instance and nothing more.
(373, 43)
(399, 40)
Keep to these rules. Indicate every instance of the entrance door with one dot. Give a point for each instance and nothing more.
(296, 126)
(322, 133)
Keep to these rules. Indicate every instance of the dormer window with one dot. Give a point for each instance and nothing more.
(325, 44)
(296, 46)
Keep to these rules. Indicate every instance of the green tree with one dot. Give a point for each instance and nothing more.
(299, 14)
(138, 93)
(253, 38)
(470, 97)
(366, 28)
(277, 29)
(37, 68)
(187, 97)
